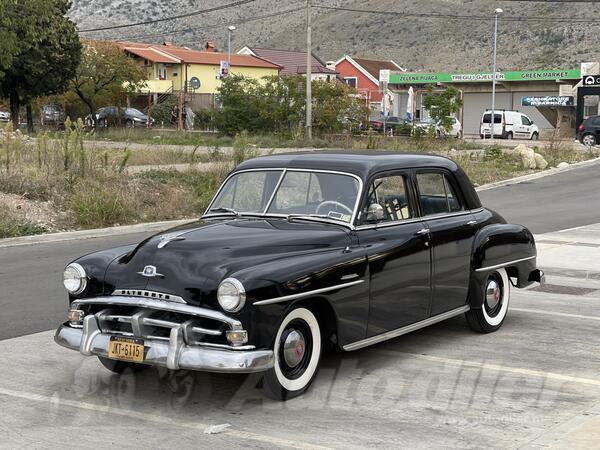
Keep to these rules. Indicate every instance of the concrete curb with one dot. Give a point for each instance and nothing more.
(91, 234)
(535, 176)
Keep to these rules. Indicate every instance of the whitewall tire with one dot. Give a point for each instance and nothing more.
(297, 351)
(495, 301)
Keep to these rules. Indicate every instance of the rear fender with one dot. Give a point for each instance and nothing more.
(507, 246)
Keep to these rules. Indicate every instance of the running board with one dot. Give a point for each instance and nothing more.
(407, 329)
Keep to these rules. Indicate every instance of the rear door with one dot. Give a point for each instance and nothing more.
(452, 231)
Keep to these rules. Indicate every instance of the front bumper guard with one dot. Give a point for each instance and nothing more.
(174, 354)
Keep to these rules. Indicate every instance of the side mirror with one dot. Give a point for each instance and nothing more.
(375, 212)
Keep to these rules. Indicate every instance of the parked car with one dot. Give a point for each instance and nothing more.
(588, 132)
(52, 115)
(128, 117)
(508, 125)
(296, 253)
(4, 116)
(428, 125)
(392, 123)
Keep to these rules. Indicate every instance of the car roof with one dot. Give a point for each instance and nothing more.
(361, 163)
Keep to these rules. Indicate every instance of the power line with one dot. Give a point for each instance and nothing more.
(470, 17)
(165, 19)
(213, 25)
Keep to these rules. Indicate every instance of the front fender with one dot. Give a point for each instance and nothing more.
(498, 246)
(302, 275)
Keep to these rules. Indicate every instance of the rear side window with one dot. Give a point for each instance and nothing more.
(595, 121)
(437, 194)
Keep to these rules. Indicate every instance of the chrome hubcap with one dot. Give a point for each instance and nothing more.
(294, 348)
(492, 294)
(588, 140)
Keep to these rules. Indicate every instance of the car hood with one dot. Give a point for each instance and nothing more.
(198, 256)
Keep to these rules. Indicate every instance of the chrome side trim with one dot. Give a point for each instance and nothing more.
(498, 266)
(149, 294)
(287, 298)
(160, 305)
(407, 329)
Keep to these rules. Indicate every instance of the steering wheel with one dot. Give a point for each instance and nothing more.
(333, 202)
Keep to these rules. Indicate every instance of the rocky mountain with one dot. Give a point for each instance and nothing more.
(406, 31)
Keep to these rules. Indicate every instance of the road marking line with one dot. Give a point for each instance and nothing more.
(498, 367)
(558, 314)
(163, 420)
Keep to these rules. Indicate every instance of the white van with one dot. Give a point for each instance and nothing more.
(508, 125)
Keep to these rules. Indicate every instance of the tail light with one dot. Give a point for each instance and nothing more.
(581, 128)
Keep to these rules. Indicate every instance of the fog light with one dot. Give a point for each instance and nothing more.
(75, 316)
(237, 337)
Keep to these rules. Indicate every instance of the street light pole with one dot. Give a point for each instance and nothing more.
(308, 73)
(493, 116)
(230, 29)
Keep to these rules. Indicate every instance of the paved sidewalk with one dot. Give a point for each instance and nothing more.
(573, 252)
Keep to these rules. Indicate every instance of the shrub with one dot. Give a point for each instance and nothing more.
(99, 205)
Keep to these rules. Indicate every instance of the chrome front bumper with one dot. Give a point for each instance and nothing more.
(174, 354)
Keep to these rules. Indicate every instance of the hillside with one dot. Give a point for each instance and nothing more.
(431, 44)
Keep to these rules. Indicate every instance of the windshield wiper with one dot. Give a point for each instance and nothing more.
(291, 217)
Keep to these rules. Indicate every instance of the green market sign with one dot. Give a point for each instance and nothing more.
(530, 75)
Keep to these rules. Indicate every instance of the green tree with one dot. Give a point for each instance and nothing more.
(105, 74)
(277, 104)
(46, 54)
(443, 105)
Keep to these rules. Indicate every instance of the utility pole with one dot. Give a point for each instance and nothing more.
(308, 74)
(493, 116)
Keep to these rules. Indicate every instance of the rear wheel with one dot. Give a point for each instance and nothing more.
(588, 139)
(509, 135)
(496, 297)
(297, 352)
(116, 366)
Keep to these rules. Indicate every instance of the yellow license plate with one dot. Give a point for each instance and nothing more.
(126, 349)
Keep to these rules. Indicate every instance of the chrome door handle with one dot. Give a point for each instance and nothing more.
(422, 232)
(472, 222)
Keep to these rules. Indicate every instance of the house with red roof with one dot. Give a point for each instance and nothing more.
(174, 68)
(363, 74)
(293, 62)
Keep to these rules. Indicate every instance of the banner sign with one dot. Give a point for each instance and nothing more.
(591, 80)
(530, 75)
(548, 100)
(224, 69)
(384, 75)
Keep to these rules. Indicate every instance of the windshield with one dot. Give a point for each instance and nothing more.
(300, 193)
(134, 112)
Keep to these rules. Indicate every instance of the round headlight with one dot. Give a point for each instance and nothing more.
(74, 279)
(231, 295)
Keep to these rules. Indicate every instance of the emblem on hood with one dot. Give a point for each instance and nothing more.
(150, 272)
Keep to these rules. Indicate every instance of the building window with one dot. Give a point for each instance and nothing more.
(350, 81)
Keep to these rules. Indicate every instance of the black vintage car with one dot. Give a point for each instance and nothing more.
(296, 253)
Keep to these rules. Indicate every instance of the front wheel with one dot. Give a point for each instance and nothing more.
(496, 296)
(297, 352)
(535, 136)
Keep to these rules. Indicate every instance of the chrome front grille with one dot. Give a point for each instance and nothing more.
(158, 319)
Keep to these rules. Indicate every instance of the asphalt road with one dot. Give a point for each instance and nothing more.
(32, 298)
(564, 200)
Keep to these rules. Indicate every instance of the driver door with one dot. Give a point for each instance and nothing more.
(397, 245)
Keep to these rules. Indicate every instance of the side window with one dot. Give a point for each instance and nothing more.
(437, 195)
(525, 120)
(391, 194)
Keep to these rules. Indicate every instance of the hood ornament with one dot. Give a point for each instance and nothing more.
(165, 239)
(150, 272)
